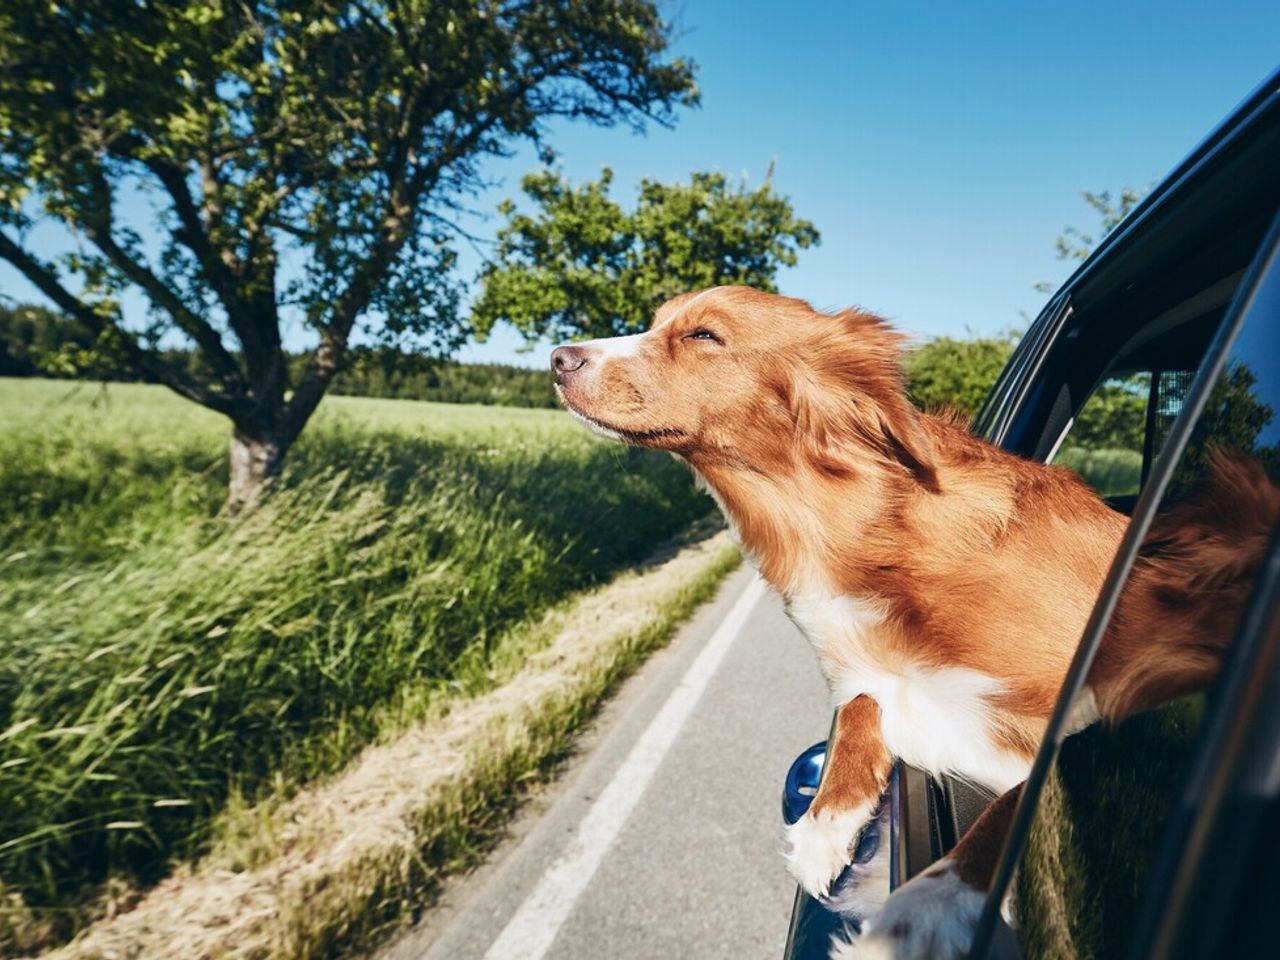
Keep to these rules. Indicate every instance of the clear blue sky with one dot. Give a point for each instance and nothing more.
(939, 147)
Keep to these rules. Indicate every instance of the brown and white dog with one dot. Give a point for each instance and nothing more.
(942, 582)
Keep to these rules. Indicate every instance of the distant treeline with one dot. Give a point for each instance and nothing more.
(386, 372)
(36, 342)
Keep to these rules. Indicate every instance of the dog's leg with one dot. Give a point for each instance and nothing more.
(854, 776)
(934, 914)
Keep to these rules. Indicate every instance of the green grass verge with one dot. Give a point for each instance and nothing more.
(457, 830)
(161, 661)
(1097, 830)
(336, 868)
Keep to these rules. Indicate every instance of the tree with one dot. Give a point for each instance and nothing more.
(580, 265)
(303, 159)
(1075, 245)
(955, 374)
(36, 340)
(1115, 415)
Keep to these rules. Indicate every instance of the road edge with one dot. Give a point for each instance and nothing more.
(343, 867)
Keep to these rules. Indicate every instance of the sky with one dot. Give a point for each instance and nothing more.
(938, 147)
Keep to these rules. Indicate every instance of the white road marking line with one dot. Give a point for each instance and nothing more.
(530, 932)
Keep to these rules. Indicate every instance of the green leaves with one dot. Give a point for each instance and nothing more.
(581, 265)
(955, 374)
(1074, 245)
(338, 138)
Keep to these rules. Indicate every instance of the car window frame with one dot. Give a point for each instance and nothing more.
(1008, 396)
(1264, 268)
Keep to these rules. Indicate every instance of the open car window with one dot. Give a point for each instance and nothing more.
(1116, 379)
(1116, 435)
(1089, 857)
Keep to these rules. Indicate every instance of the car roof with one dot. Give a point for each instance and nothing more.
(1227, 184)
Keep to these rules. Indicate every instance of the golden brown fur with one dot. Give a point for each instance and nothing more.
(1188, 586)
(949, 557)
(1179, 610)
(810, 444)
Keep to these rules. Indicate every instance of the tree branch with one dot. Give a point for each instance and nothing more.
(221, 267)
(45, 280)
(399, 220)
(224, 271)
(100, 229)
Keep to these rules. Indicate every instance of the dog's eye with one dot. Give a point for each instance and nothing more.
(702, 333)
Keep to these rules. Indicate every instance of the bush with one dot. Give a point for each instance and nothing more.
(1113, 473)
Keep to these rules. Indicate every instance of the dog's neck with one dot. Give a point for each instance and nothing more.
(807, 526)
(796, 526)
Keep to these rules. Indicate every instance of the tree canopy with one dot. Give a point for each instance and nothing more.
(581, 265)
(301, 161)
(36, 340)
(955, 374)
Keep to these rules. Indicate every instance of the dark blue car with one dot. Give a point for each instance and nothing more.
(1160, 838)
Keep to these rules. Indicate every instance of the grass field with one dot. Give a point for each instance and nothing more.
(161, 663)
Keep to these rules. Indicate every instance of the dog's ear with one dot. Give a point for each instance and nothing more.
(905, 440)
(876, 367)
(821, 418)
(830, 418)
(849, 390)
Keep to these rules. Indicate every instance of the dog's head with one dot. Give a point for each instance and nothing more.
(732, 375)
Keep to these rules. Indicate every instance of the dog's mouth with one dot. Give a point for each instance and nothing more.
(639, 437)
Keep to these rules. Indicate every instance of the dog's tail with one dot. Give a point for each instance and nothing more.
(1187, 589)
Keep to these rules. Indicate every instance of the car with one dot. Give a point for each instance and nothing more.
(1160, 838)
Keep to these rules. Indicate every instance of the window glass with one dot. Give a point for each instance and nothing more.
(1100, 821)
(1105, 442)
(1121, 429)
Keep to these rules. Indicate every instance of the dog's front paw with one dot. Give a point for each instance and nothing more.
(932, 917)
(820, 846)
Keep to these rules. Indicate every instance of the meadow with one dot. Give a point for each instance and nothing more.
(161, 664)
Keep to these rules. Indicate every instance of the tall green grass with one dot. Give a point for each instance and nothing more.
(157, 659)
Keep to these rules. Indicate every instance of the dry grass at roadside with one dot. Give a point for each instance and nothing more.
(345, 860)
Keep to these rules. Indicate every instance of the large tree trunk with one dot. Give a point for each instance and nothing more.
(255, 463)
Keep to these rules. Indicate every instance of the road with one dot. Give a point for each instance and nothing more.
(662, 838)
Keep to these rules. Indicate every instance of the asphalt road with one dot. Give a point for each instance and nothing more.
(663, 837)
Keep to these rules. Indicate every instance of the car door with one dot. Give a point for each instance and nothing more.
(1158, 837)
(1133, 323)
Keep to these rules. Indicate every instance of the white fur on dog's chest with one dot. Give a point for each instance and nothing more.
(935, 719)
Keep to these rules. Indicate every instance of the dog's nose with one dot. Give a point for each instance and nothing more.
(567, 360)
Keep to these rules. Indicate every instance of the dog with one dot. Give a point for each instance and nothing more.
(942, 582)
